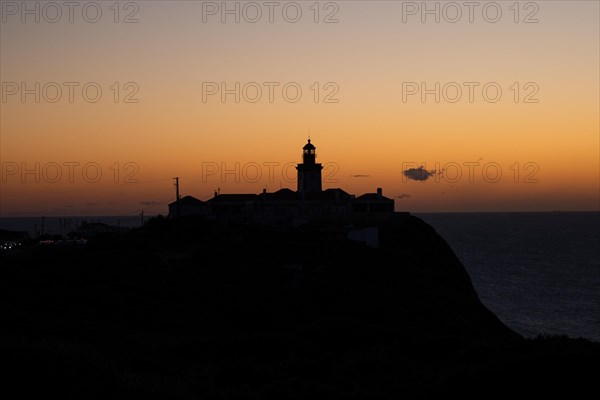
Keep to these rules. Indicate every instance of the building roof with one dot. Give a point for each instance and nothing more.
(224, 198)
(329, 194)
(309, 146)
(372, 197)
(281, 194)
(188, 201)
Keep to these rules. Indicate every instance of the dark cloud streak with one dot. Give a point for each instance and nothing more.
(419, 174)
(150, 203)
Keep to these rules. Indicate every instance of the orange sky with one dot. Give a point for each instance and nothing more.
(368, 56)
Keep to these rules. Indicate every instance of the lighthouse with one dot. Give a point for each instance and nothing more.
(309, 172)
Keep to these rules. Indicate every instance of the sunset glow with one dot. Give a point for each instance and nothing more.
(361, 69)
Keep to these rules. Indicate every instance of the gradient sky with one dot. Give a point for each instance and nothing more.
(368, 55)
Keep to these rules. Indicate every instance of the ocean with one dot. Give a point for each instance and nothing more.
(538, 272)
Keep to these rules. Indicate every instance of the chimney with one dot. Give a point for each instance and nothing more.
(379, 192)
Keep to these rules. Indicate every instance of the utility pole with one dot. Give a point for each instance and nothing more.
(177, 193)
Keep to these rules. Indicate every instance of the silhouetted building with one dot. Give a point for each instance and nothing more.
(233, 205)
(286, 206)
(188, 205)
(372, 203)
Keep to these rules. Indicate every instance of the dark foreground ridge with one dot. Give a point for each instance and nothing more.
(195, 309)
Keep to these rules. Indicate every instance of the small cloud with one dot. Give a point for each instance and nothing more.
(91, 204)
(150, 203)
(419, 174)
(360, 176)
(403, 196)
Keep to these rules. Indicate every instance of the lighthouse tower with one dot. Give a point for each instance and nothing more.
(309, 172)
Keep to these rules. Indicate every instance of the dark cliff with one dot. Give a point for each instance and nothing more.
(196, 309)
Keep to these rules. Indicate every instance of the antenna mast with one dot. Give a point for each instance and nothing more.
(177, 193)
